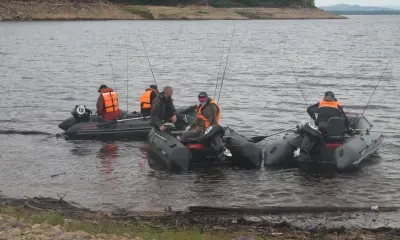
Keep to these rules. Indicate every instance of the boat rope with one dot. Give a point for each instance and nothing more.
(111, 65)
(127, 77)
(220, 64)
(297, 80)
(145, 51)
(227, 60)
(365, 108)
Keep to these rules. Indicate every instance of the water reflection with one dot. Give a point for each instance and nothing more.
(108, 154)
(80, 149)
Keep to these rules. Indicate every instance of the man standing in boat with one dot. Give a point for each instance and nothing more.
(163, 109)
(208, 114)
(146, 100)
(327, 108)
(107, 104)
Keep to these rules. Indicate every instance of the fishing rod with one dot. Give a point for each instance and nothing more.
(127, 76)
(227, 59)
(220, 64)
(377, 131)
(148, 60)
(295, 77)
(260, 138)
(365, 108)
(111, 65)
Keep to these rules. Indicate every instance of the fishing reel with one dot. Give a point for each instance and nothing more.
(81, 113)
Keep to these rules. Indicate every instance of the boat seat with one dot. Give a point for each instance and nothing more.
(335, 129)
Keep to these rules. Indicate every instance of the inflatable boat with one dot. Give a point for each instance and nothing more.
(170, 150)
(84, 125)
(342, 149)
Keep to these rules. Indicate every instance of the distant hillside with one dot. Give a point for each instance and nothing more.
(161, 10)
(346, 9)
(224, 3)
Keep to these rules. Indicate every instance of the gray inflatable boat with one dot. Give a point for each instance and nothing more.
(83, 125)
(169, 150)
(344, 150)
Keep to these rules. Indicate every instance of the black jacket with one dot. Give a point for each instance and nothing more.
(323, 117)
(162, 110)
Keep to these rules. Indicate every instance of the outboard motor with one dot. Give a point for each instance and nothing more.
(213, 135)
(81, 114)
(312, 130)
(311, 135)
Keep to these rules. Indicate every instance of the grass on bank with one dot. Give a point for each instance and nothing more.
(124, 229)
(146, 231)
(139, 10)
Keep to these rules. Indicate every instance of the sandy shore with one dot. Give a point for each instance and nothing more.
(67, 10)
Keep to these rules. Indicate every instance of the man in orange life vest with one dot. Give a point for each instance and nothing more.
(327, 108)
(146, 100)
(209, 114)
(107, 104)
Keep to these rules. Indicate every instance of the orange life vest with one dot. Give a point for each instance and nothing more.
(332, 104)
(145, 102)
(110, 101)
(202, 117)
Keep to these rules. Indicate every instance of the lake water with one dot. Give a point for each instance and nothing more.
(46, 68)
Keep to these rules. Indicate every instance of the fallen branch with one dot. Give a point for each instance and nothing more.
(60, 200)
(32, 207)
(31, 200)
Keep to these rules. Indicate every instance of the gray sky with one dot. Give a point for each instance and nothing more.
(359, 2)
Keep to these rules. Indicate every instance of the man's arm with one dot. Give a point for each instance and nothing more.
(343, 114)
(211, 114)
(100, 105)
(153, 95)
(311, 110)
(173, 107)
(155, 119)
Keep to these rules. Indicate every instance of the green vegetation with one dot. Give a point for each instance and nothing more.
(203, 11)
(224, 3)
(141, 11)
(254, 15)
(18, 222)
(143, 230)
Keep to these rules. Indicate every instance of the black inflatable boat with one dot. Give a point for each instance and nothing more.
(84, 125)
(168, 149)
(337, 147)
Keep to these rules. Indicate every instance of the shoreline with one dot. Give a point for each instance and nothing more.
(60, 219)
(62, 10)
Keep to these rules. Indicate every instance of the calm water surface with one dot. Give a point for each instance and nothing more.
(48, 67)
